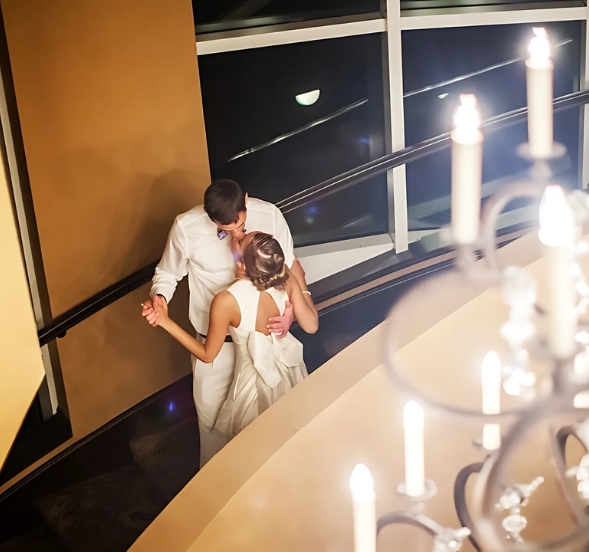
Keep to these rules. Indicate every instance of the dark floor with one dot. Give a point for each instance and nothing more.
(106, 490)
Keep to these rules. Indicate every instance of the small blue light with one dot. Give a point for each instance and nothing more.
(171, 407)
(364, 140)
(312, 210)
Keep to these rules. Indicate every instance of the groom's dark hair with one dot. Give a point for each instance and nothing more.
(224, 200)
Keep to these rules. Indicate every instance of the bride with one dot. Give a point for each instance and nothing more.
(265, 367)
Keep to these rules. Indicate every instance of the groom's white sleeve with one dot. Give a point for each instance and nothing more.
(173, 265)
(284, 237)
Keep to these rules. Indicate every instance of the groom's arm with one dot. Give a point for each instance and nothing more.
(172, 267)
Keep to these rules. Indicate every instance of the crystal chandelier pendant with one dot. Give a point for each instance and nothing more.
(451, 540)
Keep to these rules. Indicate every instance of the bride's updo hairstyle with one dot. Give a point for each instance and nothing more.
(264, 262)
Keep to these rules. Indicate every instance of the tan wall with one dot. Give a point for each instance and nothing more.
(21, 368)
(109, 99)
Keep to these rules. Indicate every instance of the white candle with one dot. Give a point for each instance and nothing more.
(581, 370)
(539, 91)
(413, 425)
(491, 436)
(491, 392)
(363, 497)
(467, 171)
(557, 232)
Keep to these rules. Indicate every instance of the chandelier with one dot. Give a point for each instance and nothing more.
(551, 335)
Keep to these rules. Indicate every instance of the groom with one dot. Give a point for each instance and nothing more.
(199, 246)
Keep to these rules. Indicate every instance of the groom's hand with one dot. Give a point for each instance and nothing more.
(279, 325)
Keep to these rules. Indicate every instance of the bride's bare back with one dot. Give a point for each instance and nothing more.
(267, 308)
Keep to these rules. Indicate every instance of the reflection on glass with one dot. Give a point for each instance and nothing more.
(357, 211)
(233, 14)
(429, 203)
(464, 61)
(261, 133)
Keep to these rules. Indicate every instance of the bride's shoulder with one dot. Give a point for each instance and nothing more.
(290, 283)
(242, 290)
(241, 283)
(224, 297)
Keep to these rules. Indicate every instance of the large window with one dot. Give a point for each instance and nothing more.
(284, 118)
(440, 64)
(290, 106)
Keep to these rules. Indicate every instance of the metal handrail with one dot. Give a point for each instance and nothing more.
(412, 153)
(59, 326)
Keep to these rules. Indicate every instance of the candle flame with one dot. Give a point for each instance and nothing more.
(557, 227)
(467, 116)
(539, 46)
(413, 416)
(361, 481)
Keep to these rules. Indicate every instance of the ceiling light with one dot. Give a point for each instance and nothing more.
(308, 98)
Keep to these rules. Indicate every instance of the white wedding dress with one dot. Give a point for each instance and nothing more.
(265, 367)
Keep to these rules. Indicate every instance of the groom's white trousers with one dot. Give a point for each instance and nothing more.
(211, 384)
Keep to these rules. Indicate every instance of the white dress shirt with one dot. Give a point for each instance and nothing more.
(194, 249)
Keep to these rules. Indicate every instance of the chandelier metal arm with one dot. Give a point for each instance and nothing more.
(393, 365)
(559, 459)
(495, 206)
(493, 474)
(562, 437)
(460, 499)
(407, 518)
(553, 336)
